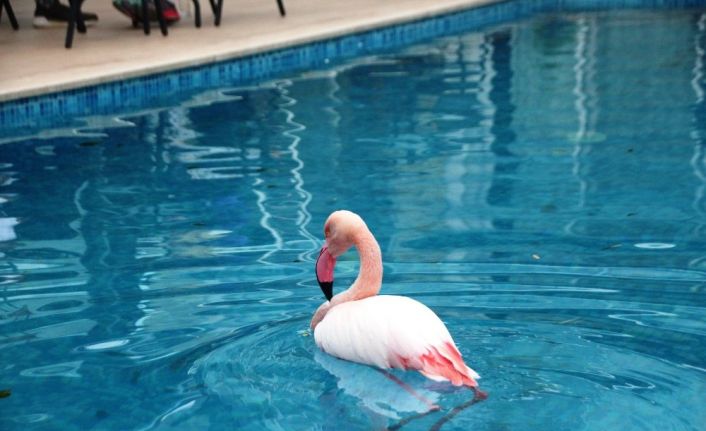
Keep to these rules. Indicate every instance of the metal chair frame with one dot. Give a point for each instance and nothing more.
(10, 13)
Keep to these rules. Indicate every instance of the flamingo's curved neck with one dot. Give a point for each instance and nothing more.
(369, 278)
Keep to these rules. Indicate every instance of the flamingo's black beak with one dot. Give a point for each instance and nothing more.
(324, 272)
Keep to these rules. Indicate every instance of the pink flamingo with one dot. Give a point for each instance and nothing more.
(385, 331)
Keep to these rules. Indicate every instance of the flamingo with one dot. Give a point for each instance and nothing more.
(385, 331)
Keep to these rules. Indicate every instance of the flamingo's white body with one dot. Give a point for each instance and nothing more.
(384, 331)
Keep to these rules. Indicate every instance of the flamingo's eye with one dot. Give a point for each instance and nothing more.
(327, 231)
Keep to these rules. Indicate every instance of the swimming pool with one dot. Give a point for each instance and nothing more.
(540, 184)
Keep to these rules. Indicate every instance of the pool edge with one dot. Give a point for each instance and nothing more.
(404, 17)
(115, 94)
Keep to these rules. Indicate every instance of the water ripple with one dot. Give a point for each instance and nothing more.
(639, 273)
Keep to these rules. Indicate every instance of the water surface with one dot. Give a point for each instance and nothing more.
(539, 184)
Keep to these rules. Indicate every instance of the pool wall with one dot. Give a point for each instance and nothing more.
(123, 96)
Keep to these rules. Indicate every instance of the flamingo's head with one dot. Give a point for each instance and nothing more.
(340, 230)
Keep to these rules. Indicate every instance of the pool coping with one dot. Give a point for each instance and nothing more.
(237, 52)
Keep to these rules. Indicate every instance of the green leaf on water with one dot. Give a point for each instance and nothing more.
(4, 393)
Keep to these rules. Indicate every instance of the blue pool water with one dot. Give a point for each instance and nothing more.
(540, 184)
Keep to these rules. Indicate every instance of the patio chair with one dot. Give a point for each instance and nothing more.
(76, 20)
(217, 8)
(10, 13)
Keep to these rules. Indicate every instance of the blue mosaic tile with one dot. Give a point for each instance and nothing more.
(120, 96)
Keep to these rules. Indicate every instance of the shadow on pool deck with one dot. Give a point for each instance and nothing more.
(34, 61)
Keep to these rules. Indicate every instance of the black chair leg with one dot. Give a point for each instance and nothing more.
(10, 13)
(145, 17)
(73, 13)
(218, 13)
(80, 24)
(160, 17)
(216, 7)
(280, 5)
(197, 13)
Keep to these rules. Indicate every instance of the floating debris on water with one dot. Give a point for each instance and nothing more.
(536, 256)
(548, 208)
(4, 393)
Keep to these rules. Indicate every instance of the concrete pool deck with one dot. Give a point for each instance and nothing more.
(34, 61)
